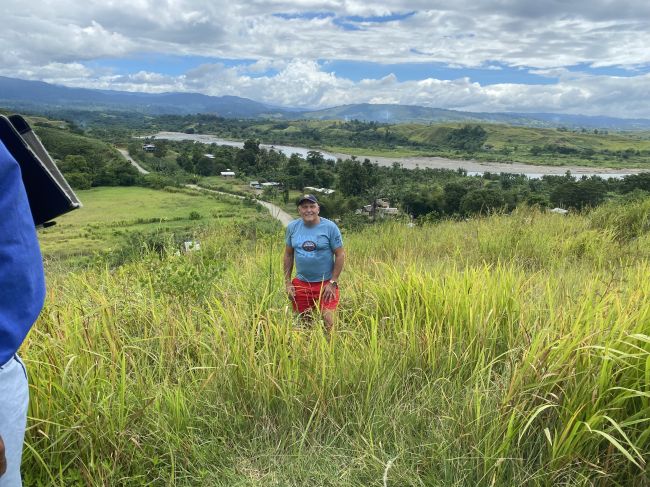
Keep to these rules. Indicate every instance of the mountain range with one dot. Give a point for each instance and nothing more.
(38, 96)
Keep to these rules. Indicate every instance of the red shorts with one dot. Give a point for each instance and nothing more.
(308, 295)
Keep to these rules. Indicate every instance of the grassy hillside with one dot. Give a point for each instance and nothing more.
(111, 217)
(507, 143)
(510, 350)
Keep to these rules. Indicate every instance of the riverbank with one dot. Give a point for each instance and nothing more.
(422, 162)
(473, 166)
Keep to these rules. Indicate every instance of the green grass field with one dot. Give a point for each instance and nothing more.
(110, 214)
(504, 351)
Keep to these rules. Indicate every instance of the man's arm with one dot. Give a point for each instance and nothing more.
(288, 269)
(339, 256)
(330, 290)
(3, 458)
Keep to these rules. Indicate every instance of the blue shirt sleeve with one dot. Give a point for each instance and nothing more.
(22, 283)
(335, 237)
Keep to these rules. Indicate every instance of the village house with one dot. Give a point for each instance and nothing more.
(311, 190)
(382, 209)
(148, 147)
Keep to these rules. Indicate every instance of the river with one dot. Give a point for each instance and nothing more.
(472, 167)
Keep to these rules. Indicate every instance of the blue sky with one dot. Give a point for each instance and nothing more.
(587, 57)
(174, 65)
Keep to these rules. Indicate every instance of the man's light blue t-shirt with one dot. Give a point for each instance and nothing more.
(314, 248)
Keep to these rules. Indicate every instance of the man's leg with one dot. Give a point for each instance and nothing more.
(329, 317)
(14, 397)
(328, 309)
(303, 301)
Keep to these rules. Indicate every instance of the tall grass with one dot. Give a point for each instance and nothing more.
(510, 350)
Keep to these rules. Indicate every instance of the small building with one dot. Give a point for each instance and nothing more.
(382, 203)
(227, 174)
(191, 246)
(270, 184)
(387, 211)
(382, 209)
(559, 211)
(255, 185)
(149, 147)
(312, 190)
(209, 156)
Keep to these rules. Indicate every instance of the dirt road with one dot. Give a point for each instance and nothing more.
(276, 212)
(126, 155)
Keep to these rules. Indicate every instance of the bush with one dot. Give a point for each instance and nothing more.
(481, 201)
(626, 220)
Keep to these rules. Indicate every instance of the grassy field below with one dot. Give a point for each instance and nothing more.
(502, 351)
(111, 214)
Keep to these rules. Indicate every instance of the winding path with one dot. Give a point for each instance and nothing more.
(275, 211)
(126, 155)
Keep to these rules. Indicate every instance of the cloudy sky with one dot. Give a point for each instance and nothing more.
(568, 56)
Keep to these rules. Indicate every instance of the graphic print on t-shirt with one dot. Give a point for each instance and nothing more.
(309, 246)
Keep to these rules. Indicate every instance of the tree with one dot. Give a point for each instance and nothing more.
(325, 177)
(315, 158)
(469, 138)
(252, 146)
(453, 194)
(421, 202)
(185, 163)
(580, 194)
(205, 166)
(351, 178)
(482, 201)
(566, 195)
(74, 163)
(636, 181)
(79, 180)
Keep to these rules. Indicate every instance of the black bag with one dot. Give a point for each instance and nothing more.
(48, 192)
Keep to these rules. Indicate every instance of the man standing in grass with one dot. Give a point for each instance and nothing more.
(316, 245)
(22, 292)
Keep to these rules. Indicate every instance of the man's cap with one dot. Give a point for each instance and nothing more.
(307, 197)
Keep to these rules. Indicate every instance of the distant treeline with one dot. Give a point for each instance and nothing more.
(419, 192)
(489, 142)
(87, 162)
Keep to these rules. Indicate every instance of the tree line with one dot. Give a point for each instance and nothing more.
(430, 193)
(419, 192)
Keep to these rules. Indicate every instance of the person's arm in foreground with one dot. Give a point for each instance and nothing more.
(330, 291)
(288, 269)
(3, 458)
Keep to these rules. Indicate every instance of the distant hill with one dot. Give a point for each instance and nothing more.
(384, 113)
(38, 97)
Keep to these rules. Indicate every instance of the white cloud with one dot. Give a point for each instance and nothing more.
(54, 41)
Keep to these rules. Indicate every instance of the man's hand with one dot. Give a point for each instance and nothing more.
(3, 458)
(291, 290)
(329, 291)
